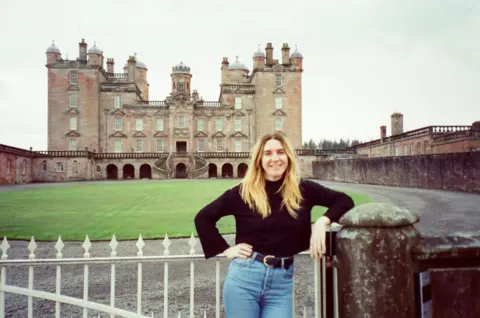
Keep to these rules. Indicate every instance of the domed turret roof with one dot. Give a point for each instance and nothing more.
(140, 64)
(259, 53)
(237, 65)
(181, 69)
(296, 53)
(52, 48)
(94, 49)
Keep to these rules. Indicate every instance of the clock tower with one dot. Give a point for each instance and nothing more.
(181, 80)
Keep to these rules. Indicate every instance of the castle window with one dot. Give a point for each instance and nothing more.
(160, 145)
(73, 77)
(278, 102)
(278, 123)
(9, 166)
(405, 150)
(238, 124)
(118, 146)
(118, 123)
(73, 100)
(139, 146)
(278, 80)
(24, 166)
(219, 145)
(201, 145)
(201, 124)
(238, 102)
(73, 123)
(118, 101)
(139, 124)
(219, 124)
(73, 145)
(44, 165)
(238, 146)
(59, 166)
(159, 124)
(181, 121)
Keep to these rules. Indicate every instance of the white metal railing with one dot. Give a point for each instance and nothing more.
(319, 268)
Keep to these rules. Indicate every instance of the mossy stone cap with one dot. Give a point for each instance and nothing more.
(378, 215)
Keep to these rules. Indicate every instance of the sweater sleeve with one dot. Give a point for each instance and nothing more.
(338, 203)
(211, 240)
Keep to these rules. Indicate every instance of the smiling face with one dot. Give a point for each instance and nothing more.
(274, 160)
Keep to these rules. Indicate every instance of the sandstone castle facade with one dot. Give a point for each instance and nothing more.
(102, 124)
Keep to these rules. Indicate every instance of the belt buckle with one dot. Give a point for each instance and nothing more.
(266, 258)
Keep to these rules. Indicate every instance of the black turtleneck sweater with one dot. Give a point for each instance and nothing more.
(279, 234)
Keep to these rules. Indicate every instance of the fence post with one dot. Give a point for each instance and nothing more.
(374, 260)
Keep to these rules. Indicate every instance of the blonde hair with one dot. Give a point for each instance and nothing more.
(252, 187)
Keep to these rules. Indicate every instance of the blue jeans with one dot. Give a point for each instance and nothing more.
(253, 290)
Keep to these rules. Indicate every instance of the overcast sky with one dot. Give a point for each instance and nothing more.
(363, 60)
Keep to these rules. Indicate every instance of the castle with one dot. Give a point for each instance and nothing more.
(103, 125)
(94, 110)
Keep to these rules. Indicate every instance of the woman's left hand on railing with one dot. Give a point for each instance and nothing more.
(317, 239)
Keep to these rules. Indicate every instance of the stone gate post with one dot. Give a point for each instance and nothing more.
(375, 267)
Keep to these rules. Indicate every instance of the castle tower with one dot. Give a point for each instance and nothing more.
(73, 99)
(181, 79)
(53, 54)
(297, 59)
(278, 98)
(95, 56)
(258, 59)
(397, 123)
(141, 78)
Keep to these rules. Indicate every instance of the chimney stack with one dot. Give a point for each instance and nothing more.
(82, 51)
(110, 65)
(269, 53)
(285, 54)
(383, 132)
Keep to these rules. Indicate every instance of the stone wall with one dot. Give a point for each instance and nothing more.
(61, 169)
(451, 171)
(15, 168)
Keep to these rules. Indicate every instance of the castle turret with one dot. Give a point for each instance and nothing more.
(397, 123)
(297, 59)
(258, 59)
(181, 78)
(53, 54)
(141, 78)
(95, 56)
(285, 54)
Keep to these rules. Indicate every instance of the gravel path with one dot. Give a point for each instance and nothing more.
(438, 210)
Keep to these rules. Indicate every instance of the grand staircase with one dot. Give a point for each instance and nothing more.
(162, 166)
(199, 165)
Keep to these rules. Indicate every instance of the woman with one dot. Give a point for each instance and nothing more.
(272, 208)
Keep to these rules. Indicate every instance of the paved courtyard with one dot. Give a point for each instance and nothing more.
(439, 211)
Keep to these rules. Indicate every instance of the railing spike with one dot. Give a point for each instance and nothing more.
(113, 245)
(59, 247)
(4, 247)
(86, 246)
(166, 243)
(32, 246)
(192, 242)
(140, 245)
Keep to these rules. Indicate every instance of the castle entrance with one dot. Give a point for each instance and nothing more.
(181, 171)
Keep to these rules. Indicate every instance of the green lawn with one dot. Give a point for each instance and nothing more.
(126, 209)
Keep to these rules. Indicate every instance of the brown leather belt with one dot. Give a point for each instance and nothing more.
(272, 261)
